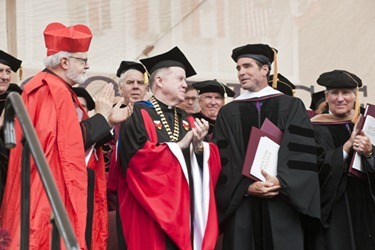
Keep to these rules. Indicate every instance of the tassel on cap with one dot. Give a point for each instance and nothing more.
(356, 104)
(20, 73)
(10, 61)
(342, 79)
(145, 77)
(356, 107)
(283, 85)
(274, 80)
(225, 92)
(214, 86)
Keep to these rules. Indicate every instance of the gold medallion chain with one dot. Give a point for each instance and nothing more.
(176, 130)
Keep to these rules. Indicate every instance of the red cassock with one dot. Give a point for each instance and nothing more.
(154, 197)
(48, 100)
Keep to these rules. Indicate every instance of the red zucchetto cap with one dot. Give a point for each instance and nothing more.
(75, 38)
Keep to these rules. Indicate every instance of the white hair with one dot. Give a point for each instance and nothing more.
(53, 60)
(121, 80)
(123, 75)
(152, 78)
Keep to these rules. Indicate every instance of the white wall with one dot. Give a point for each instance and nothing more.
(312, 36)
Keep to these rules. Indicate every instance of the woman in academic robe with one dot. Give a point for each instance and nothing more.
(347, 197)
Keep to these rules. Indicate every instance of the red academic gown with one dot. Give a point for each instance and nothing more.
(54, 116)
(154, 197)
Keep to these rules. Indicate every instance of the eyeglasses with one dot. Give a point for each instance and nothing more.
(84, 60)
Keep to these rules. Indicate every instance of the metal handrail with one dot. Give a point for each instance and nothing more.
(14, 106)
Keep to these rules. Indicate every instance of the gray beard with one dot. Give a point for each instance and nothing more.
(77, 78)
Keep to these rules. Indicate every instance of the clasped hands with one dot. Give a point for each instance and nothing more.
(265, 189)
(359, 142)
(362, 144)
(195, 135)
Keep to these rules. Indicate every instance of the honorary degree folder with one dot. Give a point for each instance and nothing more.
(366, 124)
(262, 151)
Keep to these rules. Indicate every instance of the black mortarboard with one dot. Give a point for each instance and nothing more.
(174, 57)
(342, 79)
(126, 65)
(213, 86)
(260, 52)
(283, 85)
(82, 92)
(339, 79)
(9, 60)
(316, 99)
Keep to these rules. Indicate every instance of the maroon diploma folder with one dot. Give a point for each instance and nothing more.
(268, 130)
(363, 124)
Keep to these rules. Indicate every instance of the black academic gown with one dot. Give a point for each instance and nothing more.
(249, 222)
(348, 207)
(95, 131)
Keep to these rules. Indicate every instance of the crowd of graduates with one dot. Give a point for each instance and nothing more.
(162, 168)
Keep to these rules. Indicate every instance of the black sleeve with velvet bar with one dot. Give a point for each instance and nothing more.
(95, 130)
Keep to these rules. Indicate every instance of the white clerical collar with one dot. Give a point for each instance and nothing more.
(263, 92)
